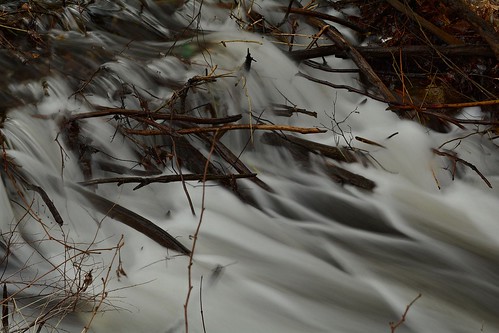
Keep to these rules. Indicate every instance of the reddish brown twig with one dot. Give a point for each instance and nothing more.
(393, 325)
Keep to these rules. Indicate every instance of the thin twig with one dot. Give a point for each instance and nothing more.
(196, 234)
(394, 326)
(5, 310)
(201, 304)
(340, 86)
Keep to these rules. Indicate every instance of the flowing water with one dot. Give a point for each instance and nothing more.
(312, 255)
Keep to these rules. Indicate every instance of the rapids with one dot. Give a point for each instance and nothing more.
(310, 256)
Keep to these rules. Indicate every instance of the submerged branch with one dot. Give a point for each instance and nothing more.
(133, 220)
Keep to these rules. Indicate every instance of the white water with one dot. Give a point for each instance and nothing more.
(315, 257)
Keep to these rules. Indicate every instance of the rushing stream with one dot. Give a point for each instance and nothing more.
(309, 255)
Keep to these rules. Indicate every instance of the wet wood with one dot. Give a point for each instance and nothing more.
(132, 220)
(50, 204)
(444, 36)
(300, 149)
(143, 181)
(102, 112)
(388, 52)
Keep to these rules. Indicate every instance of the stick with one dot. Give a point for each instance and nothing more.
(154, 115)
(394, 326)
(143, 181)
(48, 202)
(133, 220)
(302, 130)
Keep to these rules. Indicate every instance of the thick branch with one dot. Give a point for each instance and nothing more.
(133, 220)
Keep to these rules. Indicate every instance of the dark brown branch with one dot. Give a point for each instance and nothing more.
(340, 86)
(450, 105)
(327, 68)
(302, 130)
(288, 111)
(5, 309)
(454, 157)
(343, 176)
(301, 149)
(413, 50)
(143, 181)
(382, 52)
(338, 154)
(133, 220)
(48, 202)
(155, 116)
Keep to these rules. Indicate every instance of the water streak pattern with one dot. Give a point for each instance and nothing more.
(310, 256)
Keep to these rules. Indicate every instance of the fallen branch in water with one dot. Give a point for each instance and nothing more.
(143, 181)
(372, 52)
(455, 159)
(50, 204)
(300, 149)
(131, 219)
(154, 116)
(302, 130)
(338, 154)
(447, 105)
(340, 86)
